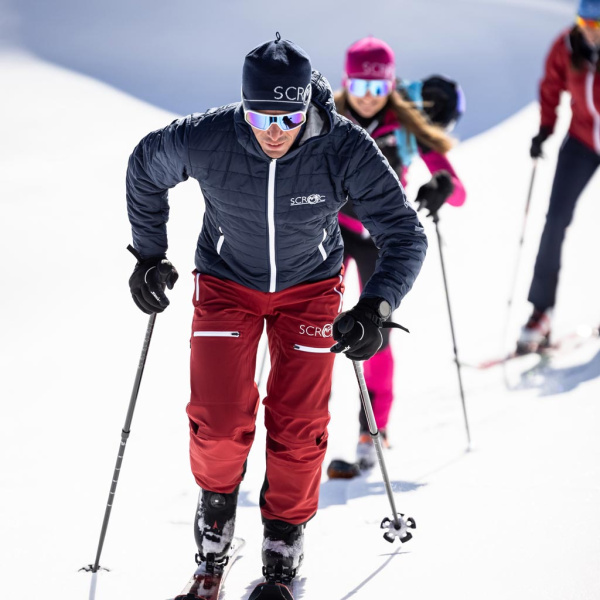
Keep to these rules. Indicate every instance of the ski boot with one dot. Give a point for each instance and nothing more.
(535, 334)
(214, 527)
(282, 551)
(282, 554)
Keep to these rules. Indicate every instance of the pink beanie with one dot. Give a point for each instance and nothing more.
(370, 58)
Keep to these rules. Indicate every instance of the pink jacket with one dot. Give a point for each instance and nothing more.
(434, 161)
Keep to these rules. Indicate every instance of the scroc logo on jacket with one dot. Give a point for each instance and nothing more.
(257, 229)
(312, 199)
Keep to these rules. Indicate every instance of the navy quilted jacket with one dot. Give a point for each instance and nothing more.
(271, 224)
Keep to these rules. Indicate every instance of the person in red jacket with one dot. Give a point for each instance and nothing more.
(573, 66)
(372, 98)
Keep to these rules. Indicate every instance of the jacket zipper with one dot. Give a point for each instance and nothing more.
(271, 224)
(589, 96)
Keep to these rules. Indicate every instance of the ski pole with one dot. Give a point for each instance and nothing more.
(513, 286)
(124, 435)
(397, 526)
(436, 220)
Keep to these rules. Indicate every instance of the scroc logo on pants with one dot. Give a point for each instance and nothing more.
(315, 331)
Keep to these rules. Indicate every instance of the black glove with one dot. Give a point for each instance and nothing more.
(148, 281)
(358, 331)
(537, 141)
(435, 192)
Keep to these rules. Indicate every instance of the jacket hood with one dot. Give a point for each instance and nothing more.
(319, 123)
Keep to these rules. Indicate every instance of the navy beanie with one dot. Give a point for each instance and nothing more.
(276, 76)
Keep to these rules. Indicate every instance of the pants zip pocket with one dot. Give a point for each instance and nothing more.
(216, 334)
(310, 349)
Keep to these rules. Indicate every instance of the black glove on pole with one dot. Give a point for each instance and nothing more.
(358, 331)
(436, 220)
(435, 192)
(124, 435)
(536, 142)
(148, 281)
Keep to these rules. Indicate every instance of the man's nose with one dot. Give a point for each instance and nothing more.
(274, 131)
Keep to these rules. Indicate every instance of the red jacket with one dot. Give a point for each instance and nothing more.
(583, 84)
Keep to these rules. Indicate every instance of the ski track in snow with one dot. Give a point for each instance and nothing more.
(517, 516)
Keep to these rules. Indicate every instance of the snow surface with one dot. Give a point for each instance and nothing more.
(515, 517)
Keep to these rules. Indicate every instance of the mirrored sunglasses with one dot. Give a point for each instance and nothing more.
(590, 23)
(285, 122)
(377, 87)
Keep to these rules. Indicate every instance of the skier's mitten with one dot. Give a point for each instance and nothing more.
(435, 192)
(358, 331)
(536, 143)
(148, 281)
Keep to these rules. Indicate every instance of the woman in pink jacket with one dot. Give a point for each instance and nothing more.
(370, 97)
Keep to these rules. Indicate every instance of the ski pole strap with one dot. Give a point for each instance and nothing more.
(135, 252)
(391, 325)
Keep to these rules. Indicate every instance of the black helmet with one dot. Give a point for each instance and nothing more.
(443, 101)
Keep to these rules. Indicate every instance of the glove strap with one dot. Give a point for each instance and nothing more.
(391, 325)
(135, 253)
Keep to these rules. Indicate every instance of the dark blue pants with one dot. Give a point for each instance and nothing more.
(576, 165)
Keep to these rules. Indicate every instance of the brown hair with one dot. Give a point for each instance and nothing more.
(411, 119)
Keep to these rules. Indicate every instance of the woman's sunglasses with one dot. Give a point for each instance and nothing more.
(285, 122)
(377, 87)
(590, 23)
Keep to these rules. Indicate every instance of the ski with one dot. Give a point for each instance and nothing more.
(271, 591)
(206, 583)
(570, 341)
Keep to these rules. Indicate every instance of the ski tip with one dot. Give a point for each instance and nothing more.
(341, 469)
(238, 543)
(271, 591)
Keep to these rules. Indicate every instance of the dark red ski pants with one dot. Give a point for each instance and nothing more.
(227, 326)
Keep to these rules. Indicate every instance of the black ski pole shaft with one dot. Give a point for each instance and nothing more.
(436, 220)
(124, 435)
(376, 436)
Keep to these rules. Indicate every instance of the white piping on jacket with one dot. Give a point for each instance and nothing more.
(589, 97)
(220, 242)
(321, 249)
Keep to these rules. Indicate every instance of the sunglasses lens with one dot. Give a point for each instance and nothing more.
(292, 120)
(257, 120)
(358, 87)
(377, 87)
(381, 87)
(590, 23)
(285, 122)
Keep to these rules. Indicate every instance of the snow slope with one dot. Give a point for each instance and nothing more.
(186, 55)
(515, 517)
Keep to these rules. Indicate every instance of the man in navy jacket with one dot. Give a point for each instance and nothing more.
(274, 170)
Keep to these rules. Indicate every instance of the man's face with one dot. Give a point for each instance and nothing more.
(274, 141)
